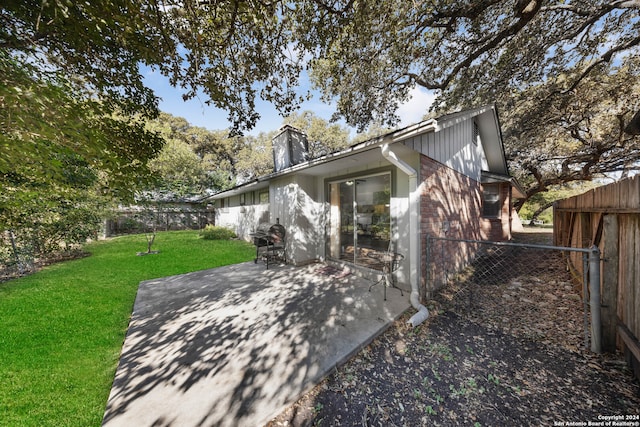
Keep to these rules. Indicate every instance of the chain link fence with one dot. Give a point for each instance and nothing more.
(525, 290)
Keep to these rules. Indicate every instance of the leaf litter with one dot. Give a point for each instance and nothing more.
(505, 354)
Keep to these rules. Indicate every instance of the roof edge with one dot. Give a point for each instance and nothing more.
(492, 177)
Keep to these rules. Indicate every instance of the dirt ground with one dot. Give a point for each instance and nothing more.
(501, 355)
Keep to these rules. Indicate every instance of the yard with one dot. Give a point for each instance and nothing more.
(513, 360)
(63, 327)
(506, 354)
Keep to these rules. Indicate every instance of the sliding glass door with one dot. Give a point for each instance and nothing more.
(360, 220)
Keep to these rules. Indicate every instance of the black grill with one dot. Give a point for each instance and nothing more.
(269, 240)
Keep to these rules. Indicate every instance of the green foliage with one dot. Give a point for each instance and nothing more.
(62, 159)
(539, 206)
(181, 171)
(554, 138)
(562, 74)
(102, 43)
(48, 220)
(63, 327)
(194, 159)
(365, 57)
(214, 232)
(478, 51)
(493, 379)
(255, 158)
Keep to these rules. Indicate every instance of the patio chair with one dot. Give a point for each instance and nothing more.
(390, 261)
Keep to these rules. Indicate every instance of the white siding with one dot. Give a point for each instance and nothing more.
(242, 219)
(454, 147)
(294, 203)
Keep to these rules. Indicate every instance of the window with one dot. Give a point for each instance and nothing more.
(476, 133)
(491, 205)
(264, 197)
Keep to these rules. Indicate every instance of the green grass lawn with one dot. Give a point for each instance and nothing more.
(62, 328)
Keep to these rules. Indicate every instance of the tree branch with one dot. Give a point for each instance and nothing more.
(525, 16)
(605, 58)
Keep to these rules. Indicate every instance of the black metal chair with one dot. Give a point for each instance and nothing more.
(390, 261)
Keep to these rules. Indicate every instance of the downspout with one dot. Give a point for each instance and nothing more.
(414, 234)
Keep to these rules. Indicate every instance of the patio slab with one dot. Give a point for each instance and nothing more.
(235, 345)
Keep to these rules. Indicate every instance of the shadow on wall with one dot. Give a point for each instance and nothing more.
(305, 239)
(248, 219)
(450, 207)
(243, 219)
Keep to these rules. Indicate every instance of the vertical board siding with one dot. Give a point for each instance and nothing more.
(578, 222)
(453, 147)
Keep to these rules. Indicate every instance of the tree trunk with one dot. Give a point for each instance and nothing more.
(541, 209)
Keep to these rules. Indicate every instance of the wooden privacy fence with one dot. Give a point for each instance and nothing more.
(609, 217)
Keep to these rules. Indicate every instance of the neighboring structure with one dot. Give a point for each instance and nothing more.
(445, 176)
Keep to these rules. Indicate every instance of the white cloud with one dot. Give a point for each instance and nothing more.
(418, 105)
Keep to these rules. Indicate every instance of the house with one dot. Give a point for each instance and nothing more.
(441, 177)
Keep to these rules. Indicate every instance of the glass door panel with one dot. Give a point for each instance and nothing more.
(373, 219)
(347, 227)
(360, 220)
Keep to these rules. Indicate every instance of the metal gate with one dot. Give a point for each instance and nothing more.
(527, 279)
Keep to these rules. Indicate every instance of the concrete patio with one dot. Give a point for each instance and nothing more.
(233, 346)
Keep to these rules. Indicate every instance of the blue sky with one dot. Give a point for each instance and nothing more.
(199, 114)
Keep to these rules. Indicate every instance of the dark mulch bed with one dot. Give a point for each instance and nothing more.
(513, 357)
(9, 272)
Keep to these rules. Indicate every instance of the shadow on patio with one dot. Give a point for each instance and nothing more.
(235, 345)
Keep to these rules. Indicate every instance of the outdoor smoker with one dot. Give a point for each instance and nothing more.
(269, 240)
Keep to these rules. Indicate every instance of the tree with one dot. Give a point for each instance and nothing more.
(554, 138)
(43, 118)
(383, 49)
(554, 69)
(364, 56)
(97, 45)
(539, 205)
(43, 216)
(63, 158)
(255, 158)
(194, 160)
(181, 172)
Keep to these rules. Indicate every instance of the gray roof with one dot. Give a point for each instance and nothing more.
(486, 116)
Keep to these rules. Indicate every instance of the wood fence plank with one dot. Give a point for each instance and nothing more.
(579, 225)
(622, 269)
(620, 190)
(585, 230)
(630, 341)
(609, 276)
(629, 292)
(634, 192)
(635, 281)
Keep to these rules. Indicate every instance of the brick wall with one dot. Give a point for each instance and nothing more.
(499, 229)
(450, 203)
(451, 206)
